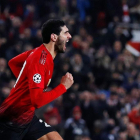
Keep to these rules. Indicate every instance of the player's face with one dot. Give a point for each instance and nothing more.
(63, 38)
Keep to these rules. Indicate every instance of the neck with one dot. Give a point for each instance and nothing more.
(50, 47)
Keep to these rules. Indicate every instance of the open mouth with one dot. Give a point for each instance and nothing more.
(66, 42)
(64, 46)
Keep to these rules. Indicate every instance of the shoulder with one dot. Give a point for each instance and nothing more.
(38, 55)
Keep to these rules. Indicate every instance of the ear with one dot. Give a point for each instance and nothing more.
(54, 37)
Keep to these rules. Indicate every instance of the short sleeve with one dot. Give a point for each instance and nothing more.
(35, 74)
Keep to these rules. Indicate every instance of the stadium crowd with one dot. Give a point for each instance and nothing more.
(103, 103)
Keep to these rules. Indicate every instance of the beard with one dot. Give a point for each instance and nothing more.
(59, 45)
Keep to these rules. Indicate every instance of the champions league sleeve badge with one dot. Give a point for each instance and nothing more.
(37, 78)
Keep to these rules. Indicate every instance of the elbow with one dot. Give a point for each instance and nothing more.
(9, 63)
(35, 104)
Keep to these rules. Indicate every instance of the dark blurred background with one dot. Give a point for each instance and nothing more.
(103, 56)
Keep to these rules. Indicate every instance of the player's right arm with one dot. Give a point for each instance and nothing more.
(40, 98)
(16, 63)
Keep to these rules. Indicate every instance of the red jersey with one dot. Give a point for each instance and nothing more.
(27, 94)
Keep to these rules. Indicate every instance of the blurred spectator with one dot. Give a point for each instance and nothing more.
(134, 10)
(122, 136)
(124, 123)
(77, 63)
(62, 8)
(58, 103)
(12, 83)
(88, 107)
(53, 118)
(27, 47)
(5, 91)
(119, 35)
(37, 39)
(82, 5)
(15, 30)
(73, 7)
(97, 130)
(116, 49)
(134, 115)
(5, 74)
(83, 33)
(113, 107)
(29, 15)
(87, 53)
(14, 51)
(132, 132)
(85, 137)
(75, 126)
(26, 36)
(109, 133)
(79, 70)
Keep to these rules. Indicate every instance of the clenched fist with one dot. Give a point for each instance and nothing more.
(67, 80)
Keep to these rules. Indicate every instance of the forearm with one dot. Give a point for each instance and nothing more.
(40, 98)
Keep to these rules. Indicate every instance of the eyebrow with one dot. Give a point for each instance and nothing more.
(66, 31)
